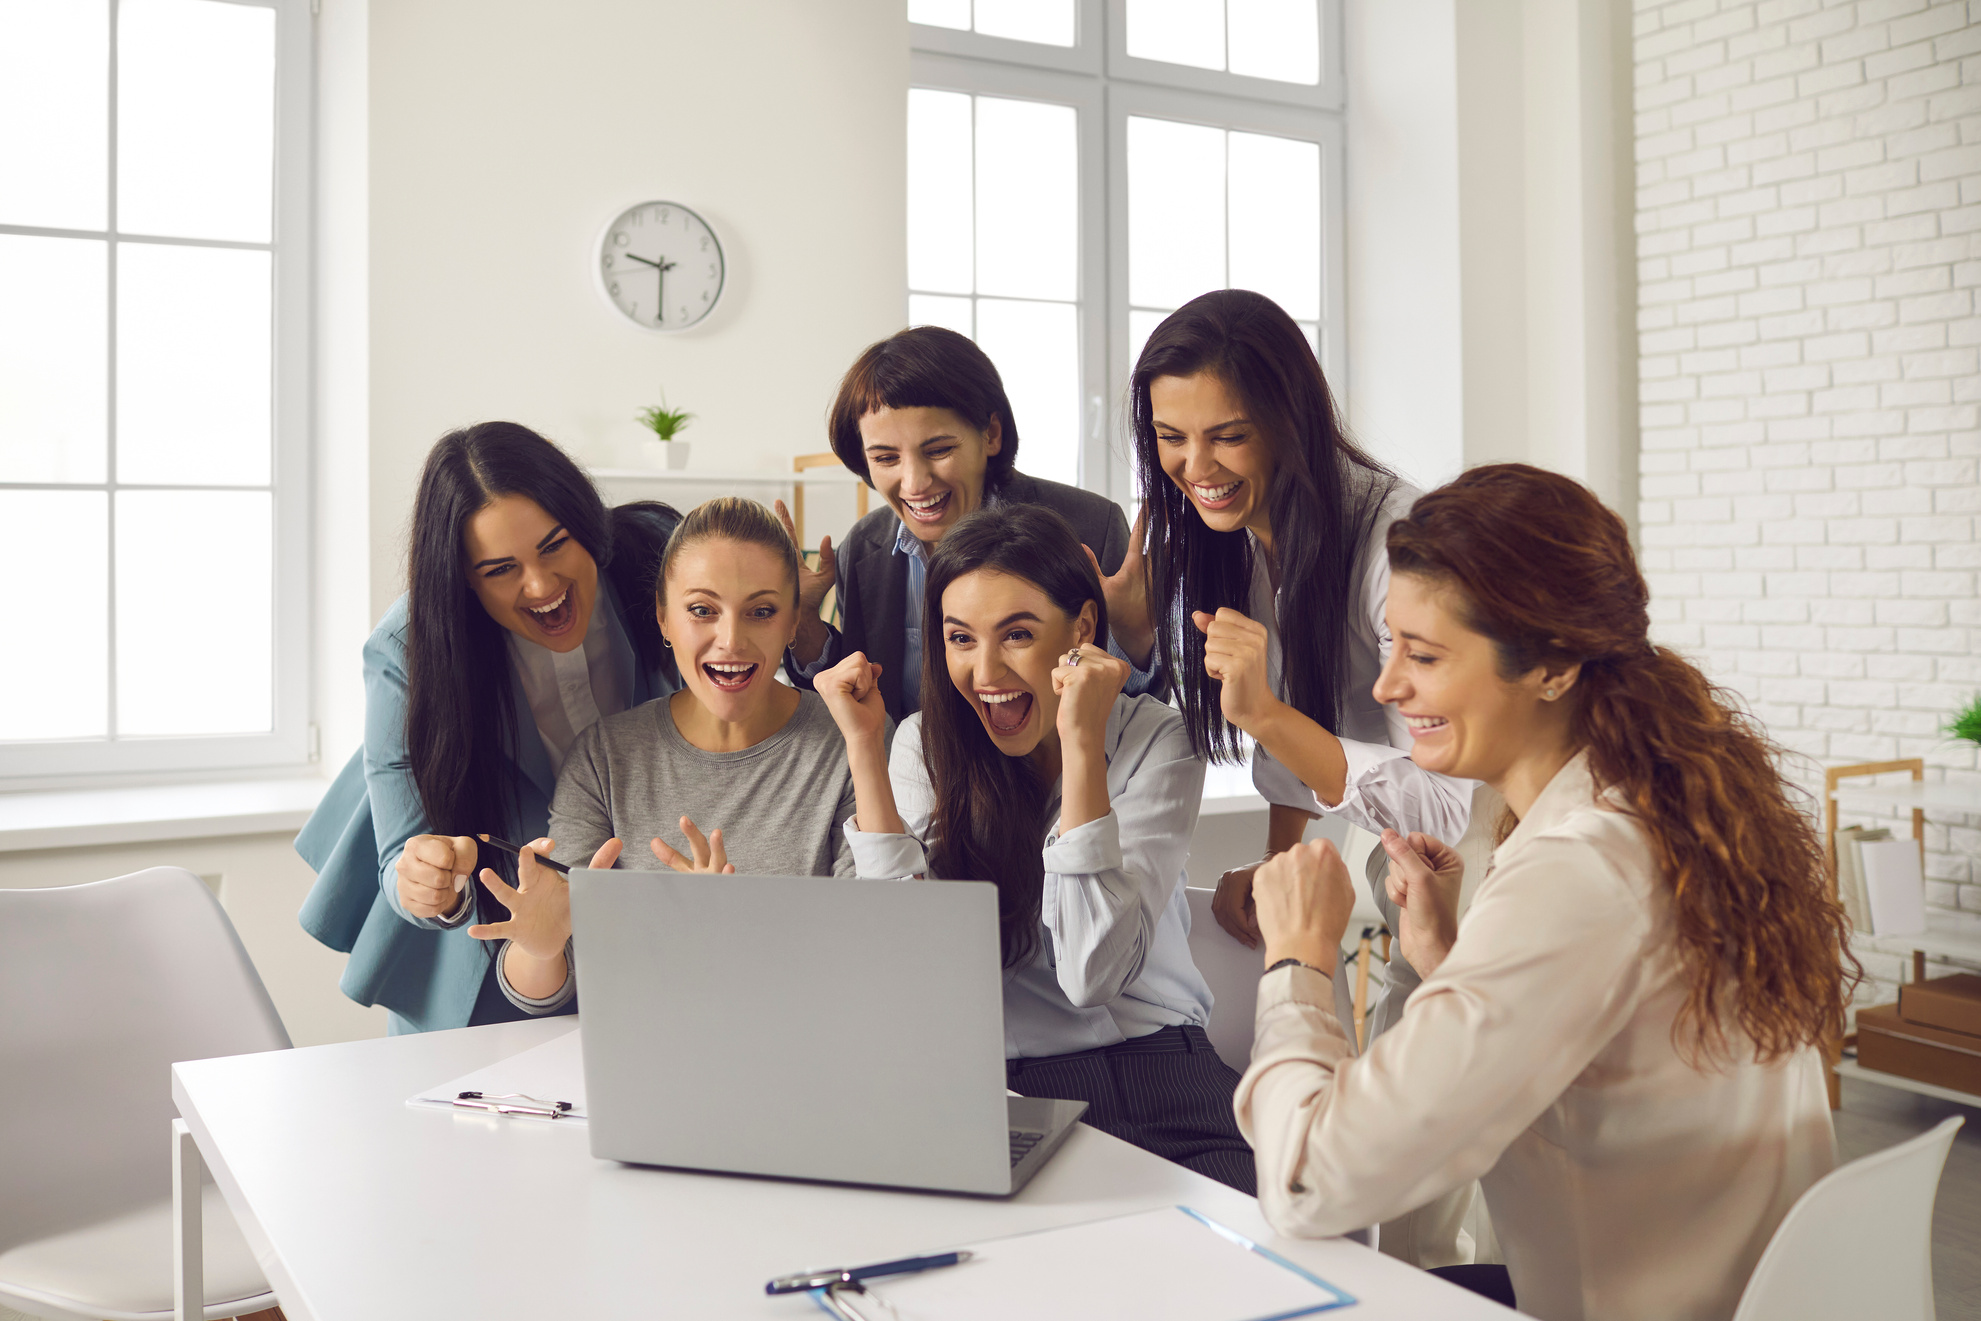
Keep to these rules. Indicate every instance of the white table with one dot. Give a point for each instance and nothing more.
(361, 1208)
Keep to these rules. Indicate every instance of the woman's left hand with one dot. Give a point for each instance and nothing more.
(1304, 900)
(709, 853)
(1086, 690)
(1235, 655)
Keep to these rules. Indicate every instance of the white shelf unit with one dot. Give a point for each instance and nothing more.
(1949, 936)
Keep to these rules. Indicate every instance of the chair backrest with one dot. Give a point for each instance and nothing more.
(1859, 1243)
(103, 987)
(804, 462)
(1232, 972)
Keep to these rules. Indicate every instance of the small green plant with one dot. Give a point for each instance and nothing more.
(664, 422)
(1966, 723)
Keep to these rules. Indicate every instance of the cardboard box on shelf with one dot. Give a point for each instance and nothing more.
(1889, 1044)
(1952, 1004)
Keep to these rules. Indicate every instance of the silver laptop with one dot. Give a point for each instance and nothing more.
(804, 1028)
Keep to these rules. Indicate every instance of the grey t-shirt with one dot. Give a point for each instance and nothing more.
(779, 805)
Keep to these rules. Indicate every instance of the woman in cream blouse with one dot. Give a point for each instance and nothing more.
(1622, 1044)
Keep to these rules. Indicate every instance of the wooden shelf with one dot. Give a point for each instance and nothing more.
(1850, 1068)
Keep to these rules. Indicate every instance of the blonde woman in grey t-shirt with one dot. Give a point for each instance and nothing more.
(736, 772)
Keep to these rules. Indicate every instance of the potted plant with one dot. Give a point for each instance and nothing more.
(667, 423)
(1966, 724)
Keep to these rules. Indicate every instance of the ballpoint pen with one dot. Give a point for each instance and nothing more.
(517, 850)
(821, 1279)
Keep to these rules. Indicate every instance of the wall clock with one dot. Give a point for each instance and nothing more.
(661, 265)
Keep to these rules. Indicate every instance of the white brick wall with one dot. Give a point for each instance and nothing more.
(1809, 247)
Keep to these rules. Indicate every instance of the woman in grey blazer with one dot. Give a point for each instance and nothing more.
(528, 618)
(922, 417)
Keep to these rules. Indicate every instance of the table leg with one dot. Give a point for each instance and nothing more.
(188, 1274)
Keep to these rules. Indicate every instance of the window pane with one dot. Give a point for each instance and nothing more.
(1277, 39)
(1028, 199)
(1175, 211)
(1276, 221)
(937, 310)
(54, 346)
(940, 13)
(54, 113)
(196, 119)
(939, 205)
(59, 689)
(168, 543)
(1177, 31)
(192, 365)
(1037, 352)
(1047, 21)
(1141, 325)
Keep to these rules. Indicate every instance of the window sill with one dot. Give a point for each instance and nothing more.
(85, 818)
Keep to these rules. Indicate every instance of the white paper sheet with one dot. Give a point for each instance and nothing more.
(1161, 1265)
(1895, 886)
(554, 1071)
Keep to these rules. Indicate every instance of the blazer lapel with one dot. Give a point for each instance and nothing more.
(532, 758)
(886, 618)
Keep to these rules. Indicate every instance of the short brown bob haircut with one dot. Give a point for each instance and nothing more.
(923, 367)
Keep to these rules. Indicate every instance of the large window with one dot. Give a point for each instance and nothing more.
(1078, 169)
(153, 383)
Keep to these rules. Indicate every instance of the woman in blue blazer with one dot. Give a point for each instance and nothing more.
(527, 618)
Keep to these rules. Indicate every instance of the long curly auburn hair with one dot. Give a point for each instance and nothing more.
(1547, 573)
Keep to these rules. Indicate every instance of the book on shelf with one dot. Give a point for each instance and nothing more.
(1850, 872)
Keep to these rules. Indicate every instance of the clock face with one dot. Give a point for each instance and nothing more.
(660, 264)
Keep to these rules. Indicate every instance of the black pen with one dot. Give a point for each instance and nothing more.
(542, 859)
(804, 1280)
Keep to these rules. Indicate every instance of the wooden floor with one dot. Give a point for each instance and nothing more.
(1873, 1118)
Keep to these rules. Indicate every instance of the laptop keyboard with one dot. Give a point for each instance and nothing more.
(1022, 1143)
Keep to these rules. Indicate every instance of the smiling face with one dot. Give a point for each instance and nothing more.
(729, 612)
(1465, 719)
(1002, 638)
(928, 464)
(532, 576)
(1214, 454)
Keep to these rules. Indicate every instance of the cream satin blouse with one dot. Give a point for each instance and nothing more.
(1623, 1182)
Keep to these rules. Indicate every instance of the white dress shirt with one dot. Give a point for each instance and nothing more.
(1385, 788)
(570, 691)
(1624, 1183)
(1114, 953)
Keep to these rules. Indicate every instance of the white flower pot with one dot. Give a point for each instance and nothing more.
(673, 454)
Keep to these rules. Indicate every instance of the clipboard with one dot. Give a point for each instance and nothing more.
(1169, 1264)
(543, 1083)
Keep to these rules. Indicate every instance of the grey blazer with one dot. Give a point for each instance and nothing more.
(873, 580)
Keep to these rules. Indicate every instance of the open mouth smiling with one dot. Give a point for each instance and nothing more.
(557, 617)
(1006, 710)
(730, 676)
(929, 510)
(1219, 496)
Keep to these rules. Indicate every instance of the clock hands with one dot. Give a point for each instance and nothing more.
(661, 268)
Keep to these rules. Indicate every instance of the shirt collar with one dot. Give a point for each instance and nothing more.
(1572, 788)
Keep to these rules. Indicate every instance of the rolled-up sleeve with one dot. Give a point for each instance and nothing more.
(1103, 896)
(899, 857)
(1530, 994)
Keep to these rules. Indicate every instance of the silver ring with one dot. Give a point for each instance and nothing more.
(1073, 657)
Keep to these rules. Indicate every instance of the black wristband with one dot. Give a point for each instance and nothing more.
(1293, 963)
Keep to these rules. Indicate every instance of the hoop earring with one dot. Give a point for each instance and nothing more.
(665, 643)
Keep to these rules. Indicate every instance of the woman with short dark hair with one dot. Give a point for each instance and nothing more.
(1028, 766)
(526, 619)
(922, 417)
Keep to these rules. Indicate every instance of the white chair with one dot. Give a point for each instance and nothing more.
(1859, 1243)
(1232, 973)
(102, 988)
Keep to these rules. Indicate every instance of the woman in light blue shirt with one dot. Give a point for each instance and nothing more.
(1027, 766)
(527, 619)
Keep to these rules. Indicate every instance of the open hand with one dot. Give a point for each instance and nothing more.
(1235, 655)
(1423, 882)
(540, 905)
(851, 692)
(709, 854)
(813, 584)
(1086, 694)
(432, 871)
(1127, 594)
(1304, 901)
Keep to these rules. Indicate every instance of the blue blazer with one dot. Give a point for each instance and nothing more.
(428, 975)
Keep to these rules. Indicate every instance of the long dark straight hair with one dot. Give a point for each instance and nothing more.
(460, 712)
(990, 809)
(1325, 496)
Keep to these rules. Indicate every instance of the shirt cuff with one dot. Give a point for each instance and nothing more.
(463, 910)
(1296, 983)
(549, 1004)
(1085, 850)
(885, 857)
(1365, 763)
(1139, 680)
(388, 885)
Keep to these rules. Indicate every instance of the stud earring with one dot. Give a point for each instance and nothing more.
(1548, 693)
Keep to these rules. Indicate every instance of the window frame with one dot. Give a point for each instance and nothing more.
(287, 745)
(1104, 86)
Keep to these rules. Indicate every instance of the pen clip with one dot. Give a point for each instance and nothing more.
(513, 1103)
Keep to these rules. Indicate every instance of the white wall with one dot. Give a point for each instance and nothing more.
(1809, 212)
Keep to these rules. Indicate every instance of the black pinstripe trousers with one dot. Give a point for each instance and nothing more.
(1166, 1092)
